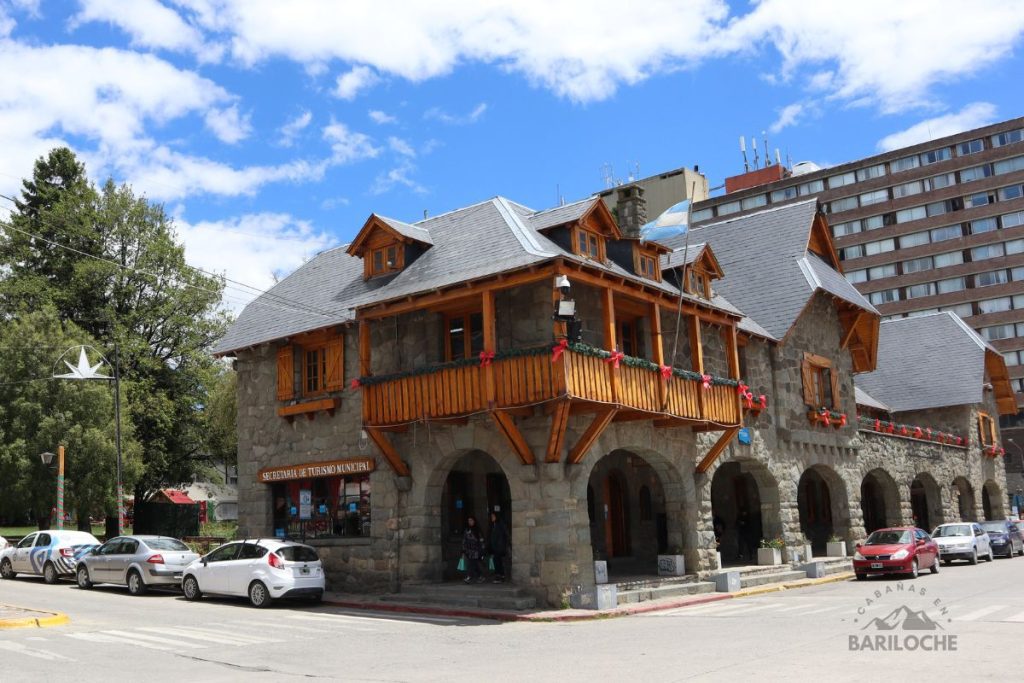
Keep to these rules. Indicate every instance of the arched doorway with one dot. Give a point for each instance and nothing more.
(822, 504)
(926, 502)
(475, 486)
(628, 521)
(879, 500)
(992, 501)
(744, 508)
(963, 494)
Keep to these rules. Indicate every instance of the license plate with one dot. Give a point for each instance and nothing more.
(304, 571)
(876, 565)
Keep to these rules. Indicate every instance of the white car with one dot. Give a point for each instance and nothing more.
(52, 553)
(3, 543)
(263, 570)
(962, 541)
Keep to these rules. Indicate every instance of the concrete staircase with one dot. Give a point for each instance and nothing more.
(458, 594)
(643, 588)
(760, 576)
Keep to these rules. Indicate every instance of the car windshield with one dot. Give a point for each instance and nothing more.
(888, 537)
(994, 526)
(166, 544)
(297, 553)
(953, 530)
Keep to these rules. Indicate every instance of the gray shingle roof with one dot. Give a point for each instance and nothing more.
(682, 256)
(549, 218)
(769, 273)
(865, 399)
(927, 361)
(415, 232)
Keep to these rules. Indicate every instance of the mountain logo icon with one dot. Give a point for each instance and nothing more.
(904, 618)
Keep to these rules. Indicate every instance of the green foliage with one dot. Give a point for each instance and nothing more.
(776, 543)
(219, 417)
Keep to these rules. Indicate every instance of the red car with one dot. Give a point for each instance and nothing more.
(896, 550)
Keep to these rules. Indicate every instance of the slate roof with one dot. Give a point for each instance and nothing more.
(476, 241)
(769, 273)
(865, 399)
(927, 361)
(682, 256)
(415, 232)
(549, 218)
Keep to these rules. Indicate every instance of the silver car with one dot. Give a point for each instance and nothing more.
(962, 541)
(136, 561)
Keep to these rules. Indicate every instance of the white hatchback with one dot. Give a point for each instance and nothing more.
(52, 553)
(263, 570)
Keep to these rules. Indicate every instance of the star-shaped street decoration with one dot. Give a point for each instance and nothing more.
(83, 370)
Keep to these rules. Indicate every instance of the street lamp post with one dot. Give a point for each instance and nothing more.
(47, 459)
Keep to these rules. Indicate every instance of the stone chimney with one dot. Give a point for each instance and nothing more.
(632, 209)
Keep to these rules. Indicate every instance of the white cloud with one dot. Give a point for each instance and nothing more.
(972, 116)
(254, 249)
(348, 146)
(788, 116)
(334, 202)
(291, 129)
(150, 24)
(400, 146)
(438, 114)
(352, 82)
(380, 117)
(397, 176)
(228, 124)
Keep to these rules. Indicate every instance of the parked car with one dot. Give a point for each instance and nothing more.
(263, 570)
(962, 541)
(52, 553)
(896, 550)
(1005, 537)
(4, 543)
(136, 561)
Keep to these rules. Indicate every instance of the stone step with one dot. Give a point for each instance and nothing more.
(762, 578)
(669, 590)
(493, 602)
(628, 583)
(485, 595)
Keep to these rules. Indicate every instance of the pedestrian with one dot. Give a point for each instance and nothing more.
(497, 544)
(473, 551)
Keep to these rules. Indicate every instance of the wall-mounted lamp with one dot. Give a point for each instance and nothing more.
(562, 284)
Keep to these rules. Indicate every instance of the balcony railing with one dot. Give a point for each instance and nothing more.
(528, 377)
(908, 431)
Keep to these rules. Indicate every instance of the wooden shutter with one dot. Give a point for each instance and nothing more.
(835, 389)
(285, 373)
(336, 363)
(807, 370)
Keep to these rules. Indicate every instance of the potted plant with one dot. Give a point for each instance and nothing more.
(673, 563)
(836, 547)
(770, 552)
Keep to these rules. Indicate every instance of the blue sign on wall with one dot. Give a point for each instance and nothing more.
(744, 436)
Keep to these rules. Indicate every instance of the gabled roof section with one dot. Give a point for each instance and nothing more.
(591, 213)
(820, 242)
(399, 231)
(932, 361)
(700, 255)
(865, 399)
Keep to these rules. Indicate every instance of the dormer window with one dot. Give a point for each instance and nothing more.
(386, 246)
(698, 283)
(383, 260)
(589, 244)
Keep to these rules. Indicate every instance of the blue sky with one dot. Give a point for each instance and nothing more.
(271, 130)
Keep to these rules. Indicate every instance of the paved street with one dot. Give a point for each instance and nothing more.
(795, 635)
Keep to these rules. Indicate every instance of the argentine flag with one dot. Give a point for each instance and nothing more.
(669, 224)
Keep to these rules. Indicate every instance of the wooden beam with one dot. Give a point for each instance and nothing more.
(365, 346)
(848, 336)
(388, 451)
(490, 336)
(507, 426)
(696, 347)
(521, 411)
(633, 415)
(600, 423)
(732, 351)
(608, 329)
(559, 328)
(717, 449)
(309, 407)
(559, 422)
(658, 348)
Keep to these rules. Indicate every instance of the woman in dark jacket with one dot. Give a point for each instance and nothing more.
(473, 551)
(498, 543)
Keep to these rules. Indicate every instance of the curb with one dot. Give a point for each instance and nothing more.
(51, 619)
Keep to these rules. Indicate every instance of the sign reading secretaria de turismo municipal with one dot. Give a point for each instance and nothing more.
(311, 470)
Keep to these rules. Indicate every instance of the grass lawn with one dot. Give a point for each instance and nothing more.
(16, 532)
(216, 529)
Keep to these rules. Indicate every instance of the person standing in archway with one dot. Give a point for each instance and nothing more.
(473, 551)
(498, 544)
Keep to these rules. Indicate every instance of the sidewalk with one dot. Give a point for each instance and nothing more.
(21, 617)
(565, 615)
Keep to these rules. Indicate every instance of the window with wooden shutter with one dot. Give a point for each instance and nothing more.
(820, 382)
(986, 429)
(285, 373)
(336, 364)
(810, 386)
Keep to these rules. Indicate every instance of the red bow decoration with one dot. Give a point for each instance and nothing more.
(486, 358)
(891, 428)
(928, 433)
(615, 358)
(763, 400)
(904, 431)
(705, 381)
(666, 371)
(918, 433)
(748, 399)
(878, 425)
(355, 384)
(824, 417)
(559, 349)
(959, 441)
(842, 420)
(742, 389)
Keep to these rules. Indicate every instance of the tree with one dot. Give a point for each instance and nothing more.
(220, 418)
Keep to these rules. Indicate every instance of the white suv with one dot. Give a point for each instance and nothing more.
(263, 570)
(52, 553)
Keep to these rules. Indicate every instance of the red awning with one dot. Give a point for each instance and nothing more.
(179, 497)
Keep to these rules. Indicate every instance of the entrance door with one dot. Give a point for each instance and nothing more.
(616, 523)
(919, 504)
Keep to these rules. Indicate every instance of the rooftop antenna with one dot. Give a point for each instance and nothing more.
(778, 157)
(607, 175)
(789, 160)
(753, 143)
(559, 199)
(743, 150)
(767, 154)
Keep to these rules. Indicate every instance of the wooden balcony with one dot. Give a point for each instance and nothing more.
(528, 377)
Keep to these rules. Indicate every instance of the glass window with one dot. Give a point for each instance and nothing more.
(938, 208)
(975, 200)
(923, 311)
(953, 284)
(27, 541)
(166, 544)
(1008, 165)
(936, 155)
(1018, 301)
(843, 229)
(1014, 246)
(995, 277)
(879, 247)
(876, 171)
(982, 225)
(950, 258)
(917, 265)
(784, 194)
(1012, 192)
(970, 147)
(975, 173)
(876, 197)
(754, 201)
(947, 233)
(884, 296)
(811, 187)
(914, 239)
(919, 290)
(940, 181)
(904, 164)
(251, 551)
(297, 553)
(907, 189)
(224, 553)
(841, 180)
(962, 310)
(878, 272)
(1017, 384)
(855, 276)
(727, 208)
(997, 332)
(844, 204)
(1012, 220)
(873, 222)
(911, 214)
(1007, 138)
(1011, 358)
(987, 251)
(852, 251)
(340, 507)
(702, 215)
(1003, 303)
(1017, 273)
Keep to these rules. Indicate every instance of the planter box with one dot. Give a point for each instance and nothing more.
(769, 556)
(836, 549)
(602, 597)
(671, 565)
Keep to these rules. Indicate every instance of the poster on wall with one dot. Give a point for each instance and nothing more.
(305, 503)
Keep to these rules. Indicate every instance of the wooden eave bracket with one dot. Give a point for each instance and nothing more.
(717, 449)
(559, 423)
(388, 451)
(507, 427)
(600, 423)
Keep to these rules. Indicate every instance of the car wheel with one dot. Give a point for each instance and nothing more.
(991, 556)
(6, 570)
(947, 562)
(974, 557)
(935, 566)
(82, 578)
(49, 573)
(862, 577)
(190, 588)
(913, 569)
(136, 586)
(259, 596)
(317, 598)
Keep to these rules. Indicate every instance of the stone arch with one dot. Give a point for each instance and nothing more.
(823, 506)
(992, 501)
(880, 500)
(745, 509)
(926, 501)
(963, 500)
